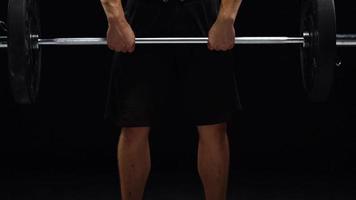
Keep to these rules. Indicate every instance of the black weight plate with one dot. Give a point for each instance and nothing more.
(23, 50)
(318, 56)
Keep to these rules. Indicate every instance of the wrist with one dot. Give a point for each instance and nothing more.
(226, 18)
(115, 20)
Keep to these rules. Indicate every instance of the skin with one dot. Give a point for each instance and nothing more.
(121, 37)
(133, 147)
(222, 33)
(134, 162)
(214, 160)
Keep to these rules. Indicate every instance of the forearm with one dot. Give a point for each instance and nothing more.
(229, 9)
(113, 10)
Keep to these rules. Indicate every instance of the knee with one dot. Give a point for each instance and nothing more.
(133, 135)
(216, 133)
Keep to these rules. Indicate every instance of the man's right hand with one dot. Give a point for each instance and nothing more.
(120, 37)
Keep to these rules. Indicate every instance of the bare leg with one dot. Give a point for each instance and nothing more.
(213, 160)
(134, 162)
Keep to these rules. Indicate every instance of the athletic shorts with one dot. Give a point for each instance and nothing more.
(172, 84)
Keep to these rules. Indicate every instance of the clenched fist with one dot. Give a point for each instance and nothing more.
(222, 35)
(120, 37)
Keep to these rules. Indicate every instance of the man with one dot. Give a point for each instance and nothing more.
(151, 83)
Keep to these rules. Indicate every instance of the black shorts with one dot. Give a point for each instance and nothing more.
(183, 83)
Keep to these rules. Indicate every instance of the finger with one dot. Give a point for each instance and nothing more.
(120, 49)
(218, 48)
(126, 49)
(109, 45)
(228, 48)
(132, 48)
(210, 47)
(129, 47)
(113, 45)
(214, 48)
(232, 46)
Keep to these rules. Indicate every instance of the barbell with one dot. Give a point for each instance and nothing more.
(318, 41)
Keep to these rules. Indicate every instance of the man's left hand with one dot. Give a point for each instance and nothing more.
(222, 35)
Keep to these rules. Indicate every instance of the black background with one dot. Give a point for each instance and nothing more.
(279, 131)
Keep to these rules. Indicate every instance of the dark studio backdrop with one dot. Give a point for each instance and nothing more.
(279, 132)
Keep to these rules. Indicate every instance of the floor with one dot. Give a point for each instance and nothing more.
(90, 184)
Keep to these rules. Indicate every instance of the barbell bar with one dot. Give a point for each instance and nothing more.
(346, 40)
(167, 40)
(342, 40)
(318, 41)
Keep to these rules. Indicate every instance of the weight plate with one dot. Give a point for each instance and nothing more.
(24, 52)
(318, 56)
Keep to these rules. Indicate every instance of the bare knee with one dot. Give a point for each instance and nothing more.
(211, 134)
(132, 135)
